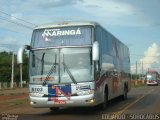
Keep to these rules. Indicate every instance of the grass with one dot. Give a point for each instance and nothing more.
(3, 89)
(16, 102)
(1, 94)
(12, 94)
(138, 85)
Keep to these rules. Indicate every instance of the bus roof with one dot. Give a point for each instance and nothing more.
(65, 24)
(72, 23)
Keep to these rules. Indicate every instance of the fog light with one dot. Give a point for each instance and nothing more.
(90, 101)
(31, 103)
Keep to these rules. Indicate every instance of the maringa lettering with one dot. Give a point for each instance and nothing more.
(57, 32)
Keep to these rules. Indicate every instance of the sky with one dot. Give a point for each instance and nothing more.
(134, 22)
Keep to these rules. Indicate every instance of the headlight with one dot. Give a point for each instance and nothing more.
(85, 92)
(36, 94)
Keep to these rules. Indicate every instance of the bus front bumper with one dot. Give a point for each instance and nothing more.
(73, 101)
(152, 83)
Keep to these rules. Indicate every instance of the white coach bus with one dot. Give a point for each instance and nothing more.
(152, 77)
(76, 64)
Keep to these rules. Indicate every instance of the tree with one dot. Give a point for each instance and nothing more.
(6, 67)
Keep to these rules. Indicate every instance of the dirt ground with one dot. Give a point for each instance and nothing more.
(13, 98)
(13, 91)
(16, 101)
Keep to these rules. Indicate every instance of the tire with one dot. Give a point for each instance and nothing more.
(103, 105)
(55, 109)
(124, 96)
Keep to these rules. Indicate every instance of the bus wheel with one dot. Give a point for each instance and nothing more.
(54, 109)
(124, 96)
(103, 105)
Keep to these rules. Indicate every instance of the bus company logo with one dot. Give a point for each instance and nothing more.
(57, 102)
(57, 32)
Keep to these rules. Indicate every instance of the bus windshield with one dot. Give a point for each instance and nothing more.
(151, 77)
(61, 65)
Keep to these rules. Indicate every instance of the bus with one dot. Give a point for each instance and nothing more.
(152, 77)
(76, 64)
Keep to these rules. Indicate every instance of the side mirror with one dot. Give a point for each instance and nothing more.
(20, 53)
(95, 51)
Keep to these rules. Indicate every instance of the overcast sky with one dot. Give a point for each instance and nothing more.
(135, 22)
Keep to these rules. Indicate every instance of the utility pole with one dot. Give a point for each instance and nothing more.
(21, 75)
(136, 70)
(142, 68)
(12, 75)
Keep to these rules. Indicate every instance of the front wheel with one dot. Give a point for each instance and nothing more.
(55, 109)
(103, 105)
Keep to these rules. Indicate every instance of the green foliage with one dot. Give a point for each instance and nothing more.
(6, 67)
(138, 76)
(16, 102)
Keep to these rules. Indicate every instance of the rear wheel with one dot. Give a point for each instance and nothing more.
(124, 96)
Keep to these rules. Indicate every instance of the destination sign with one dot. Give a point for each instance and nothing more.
(58, 32)
(66, 36)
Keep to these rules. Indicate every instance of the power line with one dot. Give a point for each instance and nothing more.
(17, 18)
(15, 31)
(19, 24)
(144, 56)
(144, 63)
(11, 47)
(9, 44)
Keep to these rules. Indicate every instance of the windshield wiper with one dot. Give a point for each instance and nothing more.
(90, 54)
(69, 72)
(53, 69)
